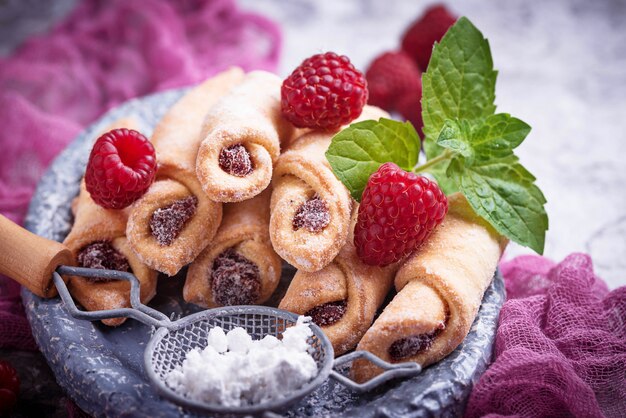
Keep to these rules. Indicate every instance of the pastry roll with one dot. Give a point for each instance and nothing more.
(440, 288)
(239, 267)
(242, 137)
(175, 220)
(342, 298)
(310, 211)
(98, 240)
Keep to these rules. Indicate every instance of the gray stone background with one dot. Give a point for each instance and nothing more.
(562, 69)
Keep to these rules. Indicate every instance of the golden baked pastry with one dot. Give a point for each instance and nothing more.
(175, 220)
(440, 288)
(342, 298)
(310, 211)
(240, 266)
(242, 136)
(98, 240)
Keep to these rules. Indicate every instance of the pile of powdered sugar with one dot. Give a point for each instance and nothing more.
(235, 370)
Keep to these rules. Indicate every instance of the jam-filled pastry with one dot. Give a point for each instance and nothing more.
(175, 220)
(440, 288)
(98, 240)
(310, 211)
(239, 267)
(242, 138)
(342, 298)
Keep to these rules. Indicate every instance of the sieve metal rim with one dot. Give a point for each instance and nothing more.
(168, 393)
(155, 318)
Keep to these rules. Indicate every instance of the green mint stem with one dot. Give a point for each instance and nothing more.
(434, 161)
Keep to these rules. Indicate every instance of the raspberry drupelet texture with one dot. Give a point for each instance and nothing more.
(121, 167)
(325, 91)
(398, 212)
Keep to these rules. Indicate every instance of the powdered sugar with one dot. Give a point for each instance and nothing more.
(234, 370)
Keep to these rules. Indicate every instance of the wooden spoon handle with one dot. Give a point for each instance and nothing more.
(30, 259)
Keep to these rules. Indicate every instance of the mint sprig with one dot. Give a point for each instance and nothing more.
(468, 147)
(503, 192)
(460, 84)
(493, 137)
(355, 153)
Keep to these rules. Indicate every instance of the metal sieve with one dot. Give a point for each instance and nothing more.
(171, 342)
(36, 263)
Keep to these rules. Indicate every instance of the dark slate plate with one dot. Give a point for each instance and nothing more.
(102, 370)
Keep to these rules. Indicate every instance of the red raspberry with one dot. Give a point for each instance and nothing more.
(325, 91)
(398, 212)
(391, 76)
(410, 107)
(419, 39)
(121, 167)
(9, 387)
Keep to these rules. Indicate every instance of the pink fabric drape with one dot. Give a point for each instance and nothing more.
(102, 54)
(560, 346)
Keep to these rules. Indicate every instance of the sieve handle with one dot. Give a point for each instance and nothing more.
(30, 259)
(139, 311)
(392, 371)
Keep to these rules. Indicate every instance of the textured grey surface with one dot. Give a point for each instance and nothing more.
(101, 368)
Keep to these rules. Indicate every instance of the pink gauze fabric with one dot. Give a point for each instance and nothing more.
(560, 347)
(102, 54)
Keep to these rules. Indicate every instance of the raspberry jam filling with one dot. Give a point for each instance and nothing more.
(411, 346)
(328, 313)
(102, 255)
(235, 160)
(235, 280)
(313, 215)
(167, 222)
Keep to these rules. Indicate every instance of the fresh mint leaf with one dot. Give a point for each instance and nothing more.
(499, 135)
(456, 135)
(356, 152)
(459, 84)
(493, 137)
(503, 192)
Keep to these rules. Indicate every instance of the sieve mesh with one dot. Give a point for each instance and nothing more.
(168, 348)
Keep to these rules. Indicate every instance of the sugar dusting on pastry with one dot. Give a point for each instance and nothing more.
(235, 160)
(235, 370)
(235, 280)
(167, 222)
(328, 313)
(102, 255)
(312, 215)
(413, 345)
